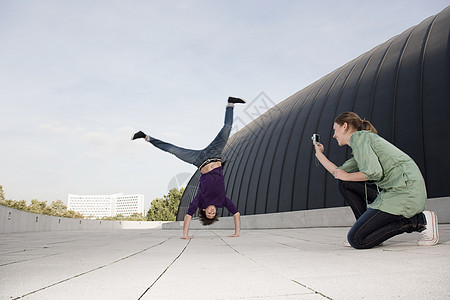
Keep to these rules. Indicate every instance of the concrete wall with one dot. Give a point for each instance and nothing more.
(324, 217)
(13, 220)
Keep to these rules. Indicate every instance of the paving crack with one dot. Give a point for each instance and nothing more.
(29, 259)
(249, 258)
(297, 238)
(160, 275)
(92, 270)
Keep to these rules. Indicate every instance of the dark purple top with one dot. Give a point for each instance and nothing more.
(211, 191)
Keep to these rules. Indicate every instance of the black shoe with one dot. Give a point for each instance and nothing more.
(235, 100)
(139, 135)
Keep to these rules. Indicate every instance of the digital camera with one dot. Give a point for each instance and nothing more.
(316, 138)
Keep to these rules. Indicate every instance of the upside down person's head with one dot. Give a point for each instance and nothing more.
(208, 215)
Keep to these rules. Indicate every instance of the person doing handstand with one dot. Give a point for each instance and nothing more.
(383, 176)
(211, 190)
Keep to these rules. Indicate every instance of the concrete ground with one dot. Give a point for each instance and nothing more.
(308, 263)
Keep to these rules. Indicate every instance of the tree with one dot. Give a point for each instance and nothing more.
(21, 205)
(120, 217)
(165, 209)
(39, 207)
(2, 195)
(57, 208)
(72, 214)
(136, 217)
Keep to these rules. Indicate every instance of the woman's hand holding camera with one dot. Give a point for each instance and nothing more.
(319, 147)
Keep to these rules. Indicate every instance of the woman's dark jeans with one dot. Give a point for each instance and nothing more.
(197, 157)
(373, 226)
(355, 192)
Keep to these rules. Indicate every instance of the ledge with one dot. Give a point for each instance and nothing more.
(14, 220)
(325, 217)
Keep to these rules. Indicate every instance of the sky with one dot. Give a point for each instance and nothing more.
(78, 78)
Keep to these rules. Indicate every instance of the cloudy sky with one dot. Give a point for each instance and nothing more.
(78, 78)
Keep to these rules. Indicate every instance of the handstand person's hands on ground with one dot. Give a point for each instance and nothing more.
(237, 225)
(186, 223)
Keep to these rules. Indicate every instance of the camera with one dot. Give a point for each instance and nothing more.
(316, 138)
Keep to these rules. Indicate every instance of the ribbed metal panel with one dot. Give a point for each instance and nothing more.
(401, 86)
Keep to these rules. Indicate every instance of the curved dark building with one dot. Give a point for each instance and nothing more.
(401, 86)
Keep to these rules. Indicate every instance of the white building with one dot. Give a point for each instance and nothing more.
(106, 205)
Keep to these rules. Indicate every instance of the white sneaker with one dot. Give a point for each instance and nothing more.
(430, 236)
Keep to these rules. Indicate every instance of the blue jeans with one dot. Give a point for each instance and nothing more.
(197, 157)
(374, 226)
